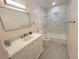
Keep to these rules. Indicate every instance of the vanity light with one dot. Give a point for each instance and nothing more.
(15, 4)
(13, 8)
(53, 3)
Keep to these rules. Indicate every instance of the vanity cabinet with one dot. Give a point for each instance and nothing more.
(22, 55)
(31, 51)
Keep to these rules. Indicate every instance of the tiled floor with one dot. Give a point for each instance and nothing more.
(53, 50)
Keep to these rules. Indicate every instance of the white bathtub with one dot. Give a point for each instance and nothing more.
(60, 38)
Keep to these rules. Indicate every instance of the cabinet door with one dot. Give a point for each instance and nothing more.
(19, 56)
(37, 47)
(23, 55)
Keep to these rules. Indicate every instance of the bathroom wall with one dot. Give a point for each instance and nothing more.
(31, 7)
(41, 19)
(57, 17)
(40, 13)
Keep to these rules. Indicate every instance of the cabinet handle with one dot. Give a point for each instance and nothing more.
(73, 22)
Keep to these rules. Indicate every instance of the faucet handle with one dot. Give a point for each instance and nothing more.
(26, 34)
(30, 32)
(21, 36)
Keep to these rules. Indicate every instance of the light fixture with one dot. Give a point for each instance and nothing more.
(13, 8)
(14, 4)
(53, 3)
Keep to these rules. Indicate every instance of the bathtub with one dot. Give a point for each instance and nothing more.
(59, 38)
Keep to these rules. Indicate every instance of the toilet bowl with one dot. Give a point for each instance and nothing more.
(46, 41)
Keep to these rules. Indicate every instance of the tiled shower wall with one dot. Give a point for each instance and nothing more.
(59, 25)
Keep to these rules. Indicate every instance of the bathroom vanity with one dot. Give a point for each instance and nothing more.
(26, 48)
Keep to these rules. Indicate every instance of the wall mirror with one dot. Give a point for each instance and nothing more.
(12, 19)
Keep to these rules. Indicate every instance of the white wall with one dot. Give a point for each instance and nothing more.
(58, 25)
(40, 13)
(73, 30)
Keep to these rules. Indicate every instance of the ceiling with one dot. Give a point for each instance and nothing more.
(46, 4)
